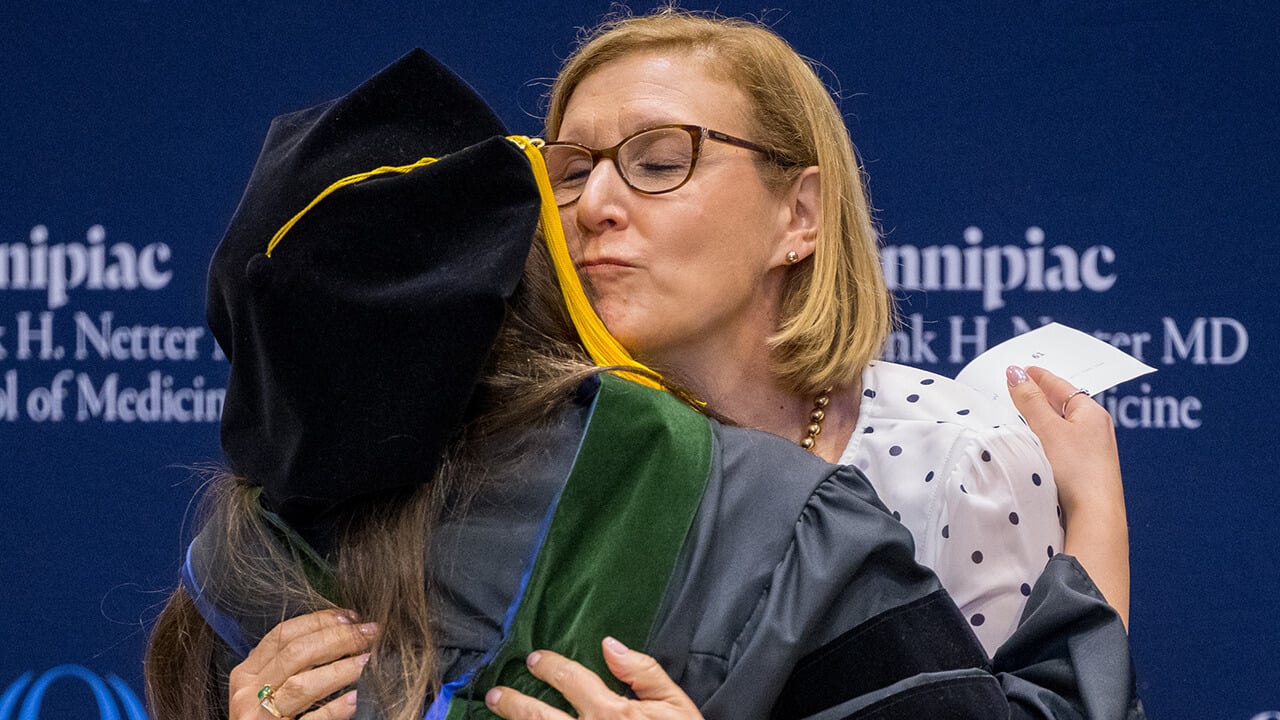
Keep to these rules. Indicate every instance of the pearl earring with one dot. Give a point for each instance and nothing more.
(793, 258)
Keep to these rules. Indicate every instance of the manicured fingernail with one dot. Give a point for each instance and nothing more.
(1015, 375)
(350, 698)
(615, 644)
(346, 618)
(533, 658)
(492, 697)
(362, 659)
(369, 629)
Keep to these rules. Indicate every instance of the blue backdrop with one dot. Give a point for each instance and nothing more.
(1128, 149)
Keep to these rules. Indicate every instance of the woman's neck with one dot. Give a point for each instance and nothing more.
(748, 393)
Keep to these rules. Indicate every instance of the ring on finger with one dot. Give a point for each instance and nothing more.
(267, 696)
(1079, 391)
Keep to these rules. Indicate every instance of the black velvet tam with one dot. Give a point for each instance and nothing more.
(356, 345)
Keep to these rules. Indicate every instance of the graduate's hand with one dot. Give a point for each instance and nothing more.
(658, 698)
(1080, 441)
(304, 660)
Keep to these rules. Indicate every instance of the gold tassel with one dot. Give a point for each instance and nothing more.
(604, 348)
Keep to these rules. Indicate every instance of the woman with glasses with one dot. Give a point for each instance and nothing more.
(717, 214)
(718, 217)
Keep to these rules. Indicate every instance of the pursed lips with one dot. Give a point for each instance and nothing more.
(603, 262)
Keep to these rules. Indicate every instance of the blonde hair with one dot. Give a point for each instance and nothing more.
(836, 311)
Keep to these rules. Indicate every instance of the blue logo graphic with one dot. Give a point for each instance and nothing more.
(108, 707)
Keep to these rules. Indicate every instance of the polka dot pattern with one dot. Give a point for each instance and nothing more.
(953, 469)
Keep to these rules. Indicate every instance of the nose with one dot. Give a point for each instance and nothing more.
(602, 203)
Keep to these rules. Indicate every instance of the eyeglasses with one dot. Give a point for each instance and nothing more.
(653, 161)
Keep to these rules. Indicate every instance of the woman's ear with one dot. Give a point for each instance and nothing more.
(802, 216)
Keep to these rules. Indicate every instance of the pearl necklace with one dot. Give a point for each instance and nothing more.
(814, 428)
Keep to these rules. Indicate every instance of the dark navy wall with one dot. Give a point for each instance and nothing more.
(1132, 146)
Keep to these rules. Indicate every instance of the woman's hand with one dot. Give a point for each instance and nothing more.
(1080, 441)
(303, 660)
(658, 698)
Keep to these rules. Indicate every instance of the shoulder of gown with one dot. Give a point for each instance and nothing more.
(795, 576)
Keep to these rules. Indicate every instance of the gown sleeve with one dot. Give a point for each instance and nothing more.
(850, 626)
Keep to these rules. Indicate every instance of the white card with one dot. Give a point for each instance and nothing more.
(1081, 359)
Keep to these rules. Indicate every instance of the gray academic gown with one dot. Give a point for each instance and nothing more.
(790, 592)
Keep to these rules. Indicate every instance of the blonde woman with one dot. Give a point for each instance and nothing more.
(718, 216)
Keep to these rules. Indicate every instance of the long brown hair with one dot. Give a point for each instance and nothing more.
(379, 552)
